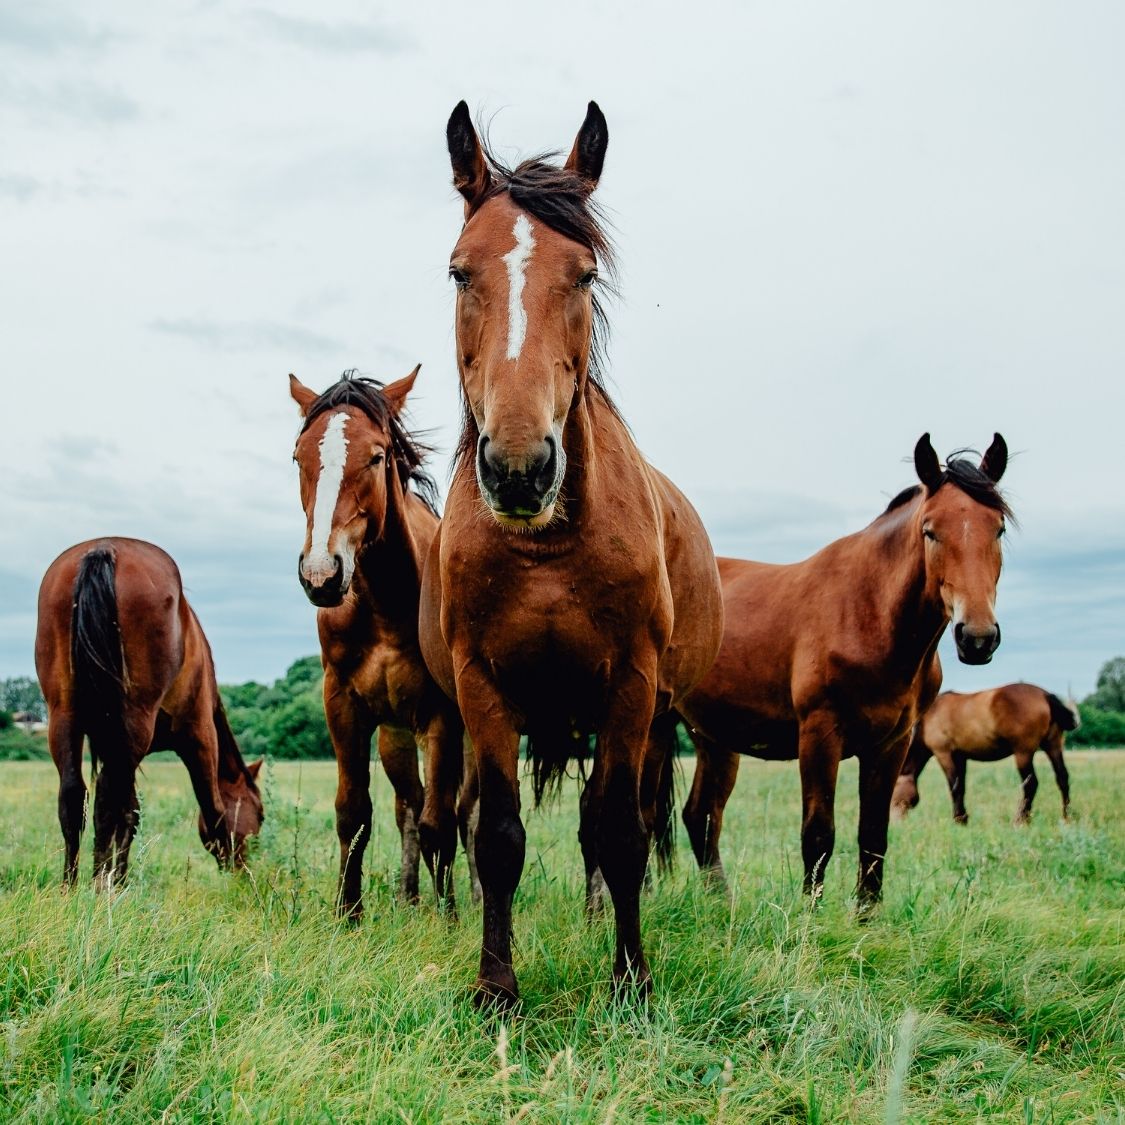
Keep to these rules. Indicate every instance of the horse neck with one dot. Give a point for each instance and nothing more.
(591, 422)
(390, 567)
(232, 766)
(913, 603)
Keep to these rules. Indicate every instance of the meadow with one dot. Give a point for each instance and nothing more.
(990, 985)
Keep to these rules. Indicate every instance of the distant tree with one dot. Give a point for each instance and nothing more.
(285, 718)
(1109, 694)
(5, 719)
(21, 693)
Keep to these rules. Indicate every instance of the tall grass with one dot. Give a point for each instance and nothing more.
(991, 985)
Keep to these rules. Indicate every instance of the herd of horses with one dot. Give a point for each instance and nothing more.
(568, 595)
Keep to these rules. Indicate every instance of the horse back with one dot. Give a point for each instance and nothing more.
(147, 615)
(989, 725)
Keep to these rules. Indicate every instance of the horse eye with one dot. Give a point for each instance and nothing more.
(928, 532)
(1000, 533)
(586, 280)
(460, 278)
(377, 460)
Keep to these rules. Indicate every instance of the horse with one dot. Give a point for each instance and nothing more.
(836, 656)
(1011, 721)
(571, 588)
(371, 516)
(123, 661)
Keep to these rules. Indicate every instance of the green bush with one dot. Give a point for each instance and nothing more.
(1099, 728)
(17, 745)
(5, 719)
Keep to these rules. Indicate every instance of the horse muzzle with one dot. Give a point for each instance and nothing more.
(323, 587)
(976, 647)
(524, 492)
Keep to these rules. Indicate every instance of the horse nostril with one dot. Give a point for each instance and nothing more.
(486, 467)
(546, 466)
(339, 565)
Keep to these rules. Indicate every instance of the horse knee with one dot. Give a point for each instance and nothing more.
(353, 823)
(72, 802)
(499, 845)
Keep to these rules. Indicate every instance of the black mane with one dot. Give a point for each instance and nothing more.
(367, 394)
(561, 200)
(967, 475)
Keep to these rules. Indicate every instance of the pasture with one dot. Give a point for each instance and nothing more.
(989, 986)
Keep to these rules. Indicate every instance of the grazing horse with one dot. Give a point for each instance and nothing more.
(836, 656)
(571, 588)
(123, 661)
(371, 518)
(1012, 721)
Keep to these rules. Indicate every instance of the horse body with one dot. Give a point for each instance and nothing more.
(835, 657)
(985, 726)
(378, 533)
(571, 588)
(123, 661)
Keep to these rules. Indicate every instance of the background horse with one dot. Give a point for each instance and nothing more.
(1012, 721)
(123, 661)
(370, 520)
(835, 656)
(571, 587)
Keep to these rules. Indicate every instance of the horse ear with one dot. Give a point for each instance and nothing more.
(926, 464)
(471, 176)
(995, 460)
(395, 393)
(302, 395)
(588, 155)
(255, 768)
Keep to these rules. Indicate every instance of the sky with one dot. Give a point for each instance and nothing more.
(839, 226)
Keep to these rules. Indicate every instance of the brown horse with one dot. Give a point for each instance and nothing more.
(370, 521)
(1012, 721)
(835, 656)
(571, 587)
(123, 661)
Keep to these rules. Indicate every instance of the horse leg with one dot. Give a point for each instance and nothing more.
(588, 842)
(1053, 748)
(878, 776)
(953, 766)
(500, 841)
(716, 771)
(116, 810)
(437, 828)
(819, 751)
(615, 814)
(398, 751)
(198, 749)
(350, 727)
(905, 795)
(468, 814)
(65, 740)
(658, 792)
(1029, 784)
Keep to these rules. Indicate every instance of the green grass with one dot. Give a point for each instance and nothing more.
(991, 985)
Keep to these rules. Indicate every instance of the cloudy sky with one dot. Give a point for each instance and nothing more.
(839, 225)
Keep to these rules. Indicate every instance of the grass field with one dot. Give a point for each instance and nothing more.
(991, 985)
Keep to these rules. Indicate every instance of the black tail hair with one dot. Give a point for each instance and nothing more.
(97, 660)
(551, 751)
(1061, 715)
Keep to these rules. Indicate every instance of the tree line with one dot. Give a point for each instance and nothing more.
(285, 719)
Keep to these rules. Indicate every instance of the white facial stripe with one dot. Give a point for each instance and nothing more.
(333, 455)
(516, 260)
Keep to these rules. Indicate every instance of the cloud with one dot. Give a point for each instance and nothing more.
(19, 187)
(246, 336)
(74, 99)
(33, 27)
(345, 37)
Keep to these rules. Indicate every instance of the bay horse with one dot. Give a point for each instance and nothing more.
(571, 588)
(123, 661)
(836, 656)
(985, 726)
(370, 518)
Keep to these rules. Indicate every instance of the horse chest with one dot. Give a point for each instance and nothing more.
(388, 682)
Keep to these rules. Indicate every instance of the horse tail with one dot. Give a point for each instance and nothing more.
(664, 827)
(1063, 715)
(550, 752)
(97, 659)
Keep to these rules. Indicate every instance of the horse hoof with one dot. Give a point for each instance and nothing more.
(495, 996)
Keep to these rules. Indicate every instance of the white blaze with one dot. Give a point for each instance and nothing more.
(333, 455)
(516, 260)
